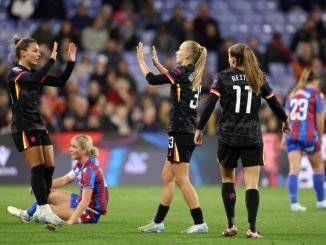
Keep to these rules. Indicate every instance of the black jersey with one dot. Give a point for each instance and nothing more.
(184, 99)
(24, 87)
(239, 123)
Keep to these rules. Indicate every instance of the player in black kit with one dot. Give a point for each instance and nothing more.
(185, 83)
(29, 133)
(240, 89)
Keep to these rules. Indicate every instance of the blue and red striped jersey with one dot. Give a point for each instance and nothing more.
(90, 175)
(303, 107)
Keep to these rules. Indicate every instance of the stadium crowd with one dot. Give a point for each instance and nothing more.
(106, 91)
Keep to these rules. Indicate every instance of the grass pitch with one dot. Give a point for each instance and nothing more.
(130, 207)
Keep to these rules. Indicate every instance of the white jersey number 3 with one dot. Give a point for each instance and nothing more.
(237, 88)
(194, 103)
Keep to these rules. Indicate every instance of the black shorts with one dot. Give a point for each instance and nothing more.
(180, 147)
(30, 138)
(250, 155)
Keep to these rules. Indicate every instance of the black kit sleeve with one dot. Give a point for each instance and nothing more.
(34, 77)
(59, 81)
(157, 79)
(208, 109)
(277, 108)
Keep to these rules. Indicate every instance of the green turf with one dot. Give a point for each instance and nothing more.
(130, 207)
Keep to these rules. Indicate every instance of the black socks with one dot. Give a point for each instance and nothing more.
(48, 173)
(161, 213)
(197, 215)
(252, 203)
(229, 199)
(38, 184)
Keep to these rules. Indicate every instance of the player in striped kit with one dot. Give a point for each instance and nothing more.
(305, 109)
(91, 203)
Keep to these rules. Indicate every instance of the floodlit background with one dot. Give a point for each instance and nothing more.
(108, 96)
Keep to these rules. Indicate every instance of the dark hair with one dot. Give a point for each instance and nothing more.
(246, 57)
(22, 44)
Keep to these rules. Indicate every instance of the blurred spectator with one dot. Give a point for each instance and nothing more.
(316, 16)
(94, 37)
(318, 66)
(164, 113)
(94, 96)
(81, 19)
(50, 9)
(115, 120)
(76, 115)
(44, 34)
(253, 44)
(149, 18)
(277, 51)
(287, 5)
(99, 73)
(67, 31)
(212, 38)
(85, 67)
(304, 57)
(223, 54)
(52, 107)
(304, 34)
(128, 35)
(120, 15)
(21, 9)
(187, 32)
(148, 107)
(3, 74)
(112, 51)
(175, 23)
(106, 13)
(123, 71)
(163, 41)
(111, 77)
(201, 22)
(5, 112)
(120, 93)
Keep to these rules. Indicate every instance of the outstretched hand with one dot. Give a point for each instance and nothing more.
(155, 58)
(54, 51)
(71, 53)
(140, 51)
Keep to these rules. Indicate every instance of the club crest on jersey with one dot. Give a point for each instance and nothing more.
(191, 77)
(17, 69)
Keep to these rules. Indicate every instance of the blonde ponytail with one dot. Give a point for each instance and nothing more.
(306, 77)
(246, 57)
(198, 55)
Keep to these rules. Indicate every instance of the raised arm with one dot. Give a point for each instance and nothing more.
(150, 77)
(60, 81)
(38, 76)
(157, 63)
(141, 59)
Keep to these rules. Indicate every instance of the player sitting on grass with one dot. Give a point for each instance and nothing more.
(91, 203)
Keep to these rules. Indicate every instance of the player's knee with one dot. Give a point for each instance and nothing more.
(167, 178)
